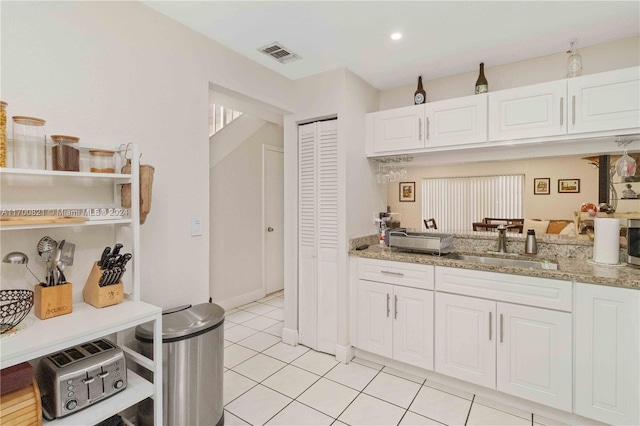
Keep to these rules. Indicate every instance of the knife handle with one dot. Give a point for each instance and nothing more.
(116, 249)
(103, 258)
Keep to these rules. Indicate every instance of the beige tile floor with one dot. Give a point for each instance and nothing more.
(268, 382)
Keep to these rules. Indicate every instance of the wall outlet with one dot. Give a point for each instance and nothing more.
(196, 226)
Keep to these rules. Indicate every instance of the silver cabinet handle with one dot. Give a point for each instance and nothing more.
(501, 329)
(388, 309)
(419, 129)
(573, 109)
(427, 128)
(395, 308)
(400, 274)
(561, 111)
(490, 323)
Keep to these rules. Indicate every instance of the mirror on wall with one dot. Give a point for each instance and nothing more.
(563, 185)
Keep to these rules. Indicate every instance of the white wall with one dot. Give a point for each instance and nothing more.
(118, 72)
(595, 59)
(552, 206)
(236, 220)
(318, 96)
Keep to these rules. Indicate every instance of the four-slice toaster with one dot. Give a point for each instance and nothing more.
(77, 377)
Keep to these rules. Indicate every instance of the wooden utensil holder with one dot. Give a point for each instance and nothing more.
(98, 296)
(53, 301)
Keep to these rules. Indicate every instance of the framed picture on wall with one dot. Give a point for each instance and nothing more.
(541, 186)
(407, 192)
(568, 186)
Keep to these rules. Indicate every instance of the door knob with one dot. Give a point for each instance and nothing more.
(270, 229)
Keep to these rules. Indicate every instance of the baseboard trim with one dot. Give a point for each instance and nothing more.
(290, 336)
(344, 354)
(240, 300)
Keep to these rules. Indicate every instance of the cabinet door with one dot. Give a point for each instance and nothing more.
(528, 112)
(605, 101)
(607, 337)
(413, 327)
(534, 354)
(465, 338)
(375, 323)
(457, 121)
(399, 129)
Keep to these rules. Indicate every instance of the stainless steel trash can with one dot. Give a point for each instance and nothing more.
(192, 365)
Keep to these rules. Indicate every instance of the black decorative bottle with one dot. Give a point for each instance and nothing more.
(420, 96)
(481, 84)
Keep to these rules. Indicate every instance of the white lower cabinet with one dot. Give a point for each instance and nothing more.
(608, 354)
(520, 350)
(396, 321)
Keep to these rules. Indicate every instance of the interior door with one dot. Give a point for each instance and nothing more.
(273, 178)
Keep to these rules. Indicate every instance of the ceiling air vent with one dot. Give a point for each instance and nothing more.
(280, 53)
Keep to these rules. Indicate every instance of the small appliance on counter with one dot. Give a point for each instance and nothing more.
(633, 241)
(78, 377)
(422, 242)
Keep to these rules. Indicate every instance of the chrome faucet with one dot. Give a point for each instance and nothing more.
(502, 238)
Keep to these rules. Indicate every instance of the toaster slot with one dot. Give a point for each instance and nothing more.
(60, 359)
(90, 348)
(74, 354)
(103, 345)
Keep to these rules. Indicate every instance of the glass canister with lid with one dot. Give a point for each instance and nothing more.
(102, 161)
(29, 148)
(65, 153)
(3, 134)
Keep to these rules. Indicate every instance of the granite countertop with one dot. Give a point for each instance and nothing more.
(568, 269)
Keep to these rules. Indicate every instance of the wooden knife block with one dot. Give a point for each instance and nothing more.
(98, 296)
(49, 302)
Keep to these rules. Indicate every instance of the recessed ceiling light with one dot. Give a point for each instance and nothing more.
(396, 36)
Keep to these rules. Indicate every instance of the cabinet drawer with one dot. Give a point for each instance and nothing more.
(399, 273)
(541, 292)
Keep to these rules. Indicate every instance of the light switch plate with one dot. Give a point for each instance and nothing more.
(196, 226)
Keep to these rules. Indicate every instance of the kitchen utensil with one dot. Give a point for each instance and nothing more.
(63, 279)
(67, 253)
(46, 246)
(103, 257)
(20, 259)
(116, 250)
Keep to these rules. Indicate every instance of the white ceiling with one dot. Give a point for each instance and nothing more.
(441, 38)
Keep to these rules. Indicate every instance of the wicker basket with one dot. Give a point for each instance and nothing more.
(15, 305)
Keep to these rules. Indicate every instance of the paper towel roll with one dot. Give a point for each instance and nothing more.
(606, 244)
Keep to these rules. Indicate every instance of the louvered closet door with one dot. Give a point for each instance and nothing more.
(327, 234)
(307, 235)
(318, 234)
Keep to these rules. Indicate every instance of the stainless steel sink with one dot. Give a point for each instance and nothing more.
(518, 263)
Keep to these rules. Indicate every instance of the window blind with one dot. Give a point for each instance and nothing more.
(455, 203)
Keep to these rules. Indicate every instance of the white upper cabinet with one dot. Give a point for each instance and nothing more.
(528, 112)
(605, 101)
(596, 105)
(399, 129)
(457, 121)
